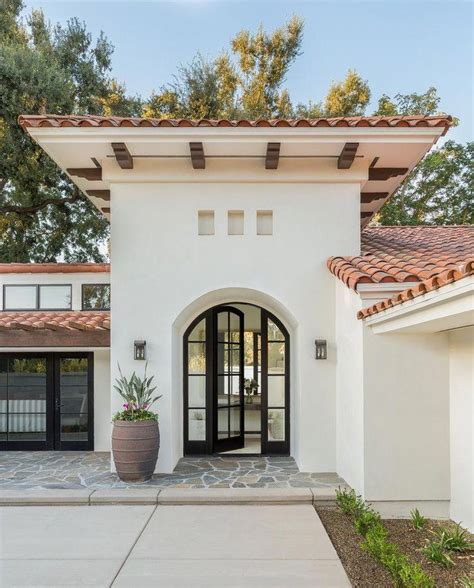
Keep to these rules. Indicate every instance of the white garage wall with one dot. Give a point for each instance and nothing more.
(461, 378)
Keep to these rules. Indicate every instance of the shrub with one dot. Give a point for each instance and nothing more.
(366, 520)
(417, 519)
(348, 501)
(412, 575)
(435, 552)
(368, 524)
(454, 540)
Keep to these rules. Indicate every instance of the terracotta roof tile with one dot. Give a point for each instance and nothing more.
(442, 279)
(50, 120)
(55, 321)
(405, 254)
(53, 268)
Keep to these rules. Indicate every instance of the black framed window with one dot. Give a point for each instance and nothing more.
(55, 297)
(21, 297)
(37, 297)
(95, 296)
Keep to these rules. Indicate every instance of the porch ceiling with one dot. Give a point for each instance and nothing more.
(376, 152)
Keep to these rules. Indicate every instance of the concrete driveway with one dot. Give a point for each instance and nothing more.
(167, 546)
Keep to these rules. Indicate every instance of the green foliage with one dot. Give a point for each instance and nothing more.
(244, 82)
(439, 191)
(135, 416)
(456, 539)
(366, 520)
(368, 524)
(467, 582)
(138, 396)
(347, 98)
(417, 519)
(436, 553)
(409, 104)
(348, 501)
(58, 69)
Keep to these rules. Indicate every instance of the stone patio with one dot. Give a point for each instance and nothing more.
(75, 470)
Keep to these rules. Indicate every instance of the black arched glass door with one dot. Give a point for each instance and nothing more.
(214, 363)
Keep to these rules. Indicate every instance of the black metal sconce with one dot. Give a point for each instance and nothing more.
(321, 349)
(140, 349)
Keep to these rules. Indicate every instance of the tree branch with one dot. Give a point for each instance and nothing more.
(36, 207)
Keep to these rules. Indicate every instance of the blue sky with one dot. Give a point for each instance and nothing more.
(398, 46)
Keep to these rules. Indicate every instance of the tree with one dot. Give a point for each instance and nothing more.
(245, 82)
(409, 104)
(439, 191)
(347, 98)
(44, 217)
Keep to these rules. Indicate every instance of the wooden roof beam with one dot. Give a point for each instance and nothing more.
(122, 155)
(385, 173)
(101, 194)
(367, 197)
(273, 156)
(347, 155)
(198, 158)
(93, 174)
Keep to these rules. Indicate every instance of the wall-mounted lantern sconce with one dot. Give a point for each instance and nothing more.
(140, 349)
(321, 349)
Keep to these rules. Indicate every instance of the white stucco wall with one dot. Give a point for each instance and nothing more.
(461, 377)
(102, 418)
(406, 416)
(350, 389)
(392, 410)
(161, 267)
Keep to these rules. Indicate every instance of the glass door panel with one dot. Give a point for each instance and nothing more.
(73, 403)
(24, 401)
(195, 387)
(229, 392)
(275, 386)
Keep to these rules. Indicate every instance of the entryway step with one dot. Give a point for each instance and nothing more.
(167, 496)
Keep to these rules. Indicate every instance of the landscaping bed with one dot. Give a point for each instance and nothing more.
(364, 571)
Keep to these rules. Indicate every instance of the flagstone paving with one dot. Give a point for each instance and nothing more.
(81, 469)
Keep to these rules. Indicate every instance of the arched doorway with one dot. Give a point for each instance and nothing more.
(236, 368)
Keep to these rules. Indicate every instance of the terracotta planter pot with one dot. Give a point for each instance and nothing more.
(135, 448)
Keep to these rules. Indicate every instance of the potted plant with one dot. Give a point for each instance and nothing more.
(251, 388)
(135, 435)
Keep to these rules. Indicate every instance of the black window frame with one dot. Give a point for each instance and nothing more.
(95, 284)
(37, 297)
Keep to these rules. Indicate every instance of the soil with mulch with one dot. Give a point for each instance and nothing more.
(365, 572)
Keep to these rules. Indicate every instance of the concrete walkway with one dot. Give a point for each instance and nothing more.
(167, 546)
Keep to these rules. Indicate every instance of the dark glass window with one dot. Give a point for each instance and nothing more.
(96, 296)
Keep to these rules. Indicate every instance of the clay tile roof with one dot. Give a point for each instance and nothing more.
(53, 268)
(55, 329)
(405, 254)
(51, 120)
(442, 279)
(55, 320)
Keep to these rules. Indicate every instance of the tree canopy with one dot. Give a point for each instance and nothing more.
(64, 70)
